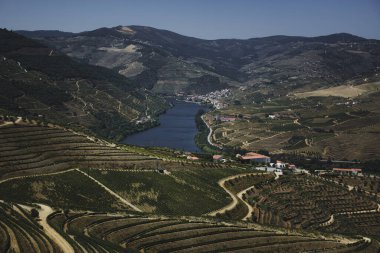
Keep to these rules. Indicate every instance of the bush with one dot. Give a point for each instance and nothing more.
(34, 213)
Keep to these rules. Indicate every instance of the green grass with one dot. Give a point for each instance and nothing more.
(71, 190)
(187, 192)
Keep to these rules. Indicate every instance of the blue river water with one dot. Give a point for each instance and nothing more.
(177, 129)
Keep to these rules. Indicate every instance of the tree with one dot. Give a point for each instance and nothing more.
(34, 213)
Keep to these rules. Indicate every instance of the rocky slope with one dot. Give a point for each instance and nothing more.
(167, 62)
(39, 82)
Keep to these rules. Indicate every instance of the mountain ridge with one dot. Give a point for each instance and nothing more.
(169, 63)
(39, 83)
(47, 32)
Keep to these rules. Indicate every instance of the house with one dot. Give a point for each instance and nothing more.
(291, 167)
(280, 165)
(217, 157)
(254, 157)
(192, 158)
(348, 171)
(271, 116)
(278, 173)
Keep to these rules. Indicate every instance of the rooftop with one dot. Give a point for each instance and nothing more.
(252, 155)
(347, 169)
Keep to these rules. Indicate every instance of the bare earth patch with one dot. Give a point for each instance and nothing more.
(133, 69)
(339, 91)
(129, 49)
(346, 91)
(126, 29)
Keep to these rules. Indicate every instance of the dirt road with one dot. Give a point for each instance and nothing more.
(44, 212)
(250, 208)
(235, 198)
(111, 192)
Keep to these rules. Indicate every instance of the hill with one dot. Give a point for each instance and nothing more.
(65, 191)
(340, 122)
(167, 62)
(40, 83)
(115, 232)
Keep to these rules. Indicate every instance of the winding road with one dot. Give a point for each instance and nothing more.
(231, 205)
(235, 198)
(250, 208)
(44, 212)
(209, 136)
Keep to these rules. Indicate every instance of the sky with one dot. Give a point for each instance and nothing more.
(207, 19)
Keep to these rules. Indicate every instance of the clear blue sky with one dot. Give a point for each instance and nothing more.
(209, 19)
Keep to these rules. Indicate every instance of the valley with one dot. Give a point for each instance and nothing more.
(272, 144)
(321, 125)
(110, 197)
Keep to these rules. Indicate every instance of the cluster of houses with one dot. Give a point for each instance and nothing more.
(143, 120)
(278, 167)
(215, 98)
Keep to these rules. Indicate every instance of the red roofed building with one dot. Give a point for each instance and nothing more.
(192, 158)
(354, 171)
(254, 157)
(217, 157)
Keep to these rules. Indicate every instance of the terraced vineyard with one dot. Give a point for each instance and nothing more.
(356, 223)
(238, 186)
(173, 193)
(308, 203)
(93, 232)
(328, 127)
(21, 233)
(68, 190)
(370, 185)
(29, 149)
(43, 166)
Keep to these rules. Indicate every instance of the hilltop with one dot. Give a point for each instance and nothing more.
(167, 62)
(38, 82)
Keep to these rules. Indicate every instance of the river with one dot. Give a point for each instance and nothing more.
(177, 129)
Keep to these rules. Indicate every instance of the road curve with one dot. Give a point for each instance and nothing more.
(209, 136)
(44, 212)
(235, 198)
(250, 208)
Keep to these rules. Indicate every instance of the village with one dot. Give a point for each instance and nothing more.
(279, 168)
(214, 98)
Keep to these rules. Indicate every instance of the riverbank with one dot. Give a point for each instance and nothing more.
(177, 129)
(209, 136)
(203, 139)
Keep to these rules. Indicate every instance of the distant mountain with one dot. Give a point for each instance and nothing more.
(168, 62)
(45, 33)
(39, 82)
